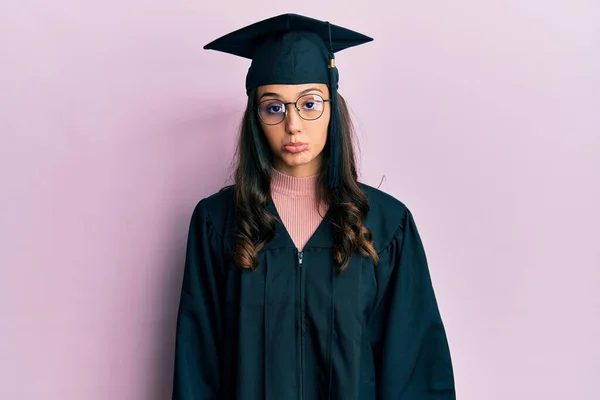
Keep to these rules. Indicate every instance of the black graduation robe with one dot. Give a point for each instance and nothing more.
(295, 328)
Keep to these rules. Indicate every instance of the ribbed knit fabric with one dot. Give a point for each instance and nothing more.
(295, 200)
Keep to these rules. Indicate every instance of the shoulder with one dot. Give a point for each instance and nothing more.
(386, 218)
(217, 210)
(383, 204)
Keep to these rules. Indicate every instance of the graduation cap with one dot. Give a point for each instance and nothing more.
(294, 49)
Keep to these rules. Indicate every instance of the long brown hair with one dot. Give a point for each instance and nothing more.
(255, 226)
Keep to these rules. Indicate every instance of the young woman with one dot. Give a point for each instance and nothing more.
(300, 282)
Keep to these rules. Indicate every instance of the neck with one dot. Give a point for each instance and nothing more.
(305, 186)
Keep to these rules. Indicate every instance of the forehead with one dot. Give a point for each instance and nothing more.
(292, 91)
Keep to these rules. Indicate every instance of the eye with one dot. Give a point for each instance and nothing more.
(272, 107)
(311, 103)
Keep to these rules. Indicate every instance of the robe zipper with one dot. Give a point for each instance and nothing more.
(301, 323)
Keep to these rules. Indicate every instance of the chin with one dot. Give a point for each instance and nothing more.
(294, 160)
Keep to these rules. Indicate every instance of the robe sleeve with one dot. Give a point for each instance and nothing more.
(199, 321)
(409, 344)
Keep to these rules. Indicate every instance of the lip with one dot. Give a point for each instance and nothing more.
(295, 147)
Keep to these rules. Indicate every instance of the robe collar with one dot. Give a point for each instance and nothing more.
(321, 238)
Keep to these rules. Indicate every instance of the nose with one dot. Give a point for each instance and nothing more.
(293, 122)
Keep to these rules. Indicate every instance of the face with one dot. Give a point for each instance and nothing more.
(296, 143)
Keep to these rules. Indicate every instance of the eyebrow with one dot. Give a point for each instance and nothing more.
(305, 91)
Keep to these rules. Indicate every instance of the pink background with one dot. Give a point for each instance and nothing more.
(483, 116)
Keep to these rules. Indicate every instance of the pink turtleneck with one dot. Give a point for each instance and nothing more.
(295, 200)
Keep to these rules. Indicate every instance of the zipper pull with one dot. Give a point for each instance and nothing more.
(300, 257)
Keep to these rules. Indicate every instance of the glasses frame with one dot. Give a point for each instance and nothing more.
(295, 103)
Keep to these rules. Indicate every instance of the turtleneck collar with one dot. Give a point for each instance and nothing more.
(304, 186)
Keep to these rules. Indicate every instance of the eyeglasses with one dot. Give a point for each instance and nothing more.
(309, 107)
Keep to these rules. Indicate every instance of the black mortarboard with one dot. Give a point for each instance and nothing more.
(294, 49)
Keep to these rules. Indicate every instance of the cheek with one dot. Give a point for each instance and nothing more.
(322, 132)
(273, 135)
(323, 137)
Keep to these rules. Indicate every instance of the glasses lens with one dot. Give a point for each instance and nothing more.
(310, 106)
(271, 111)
